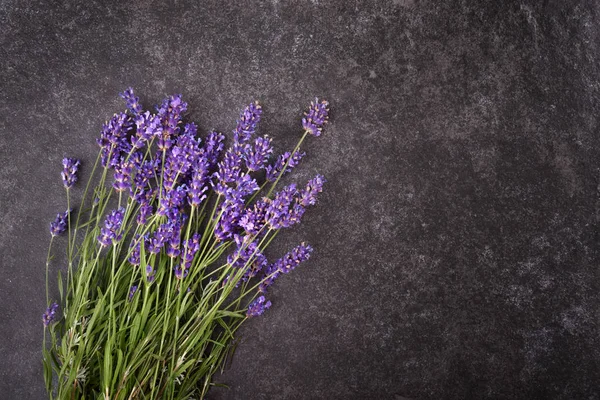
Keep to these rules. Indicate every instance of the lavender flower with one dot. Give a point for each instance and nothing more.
(275, 170)
(69, 173)
(145, 212)
(180, 271)
(230, 212)
(253, 219)
(123, 175)
(172, 201)
(278, 214)
(256, 156)
(316, 117)
(247, 254)
(59, 225)
(308, 196)
(258, 307)
(191, 247)
(285, 264)
(50, 315)
(196, 193)
(271, 273)
(132, 292)
(149, 273)
(246, 185)
(174, 241)
(113, 139)
(213, 146)
(230, 167)
(292, 259)
(170, 115)
(148, 125)
(135, 245)
(133, 102)
(144, 173)
(160, 237)
(111, 232)
(246, 126)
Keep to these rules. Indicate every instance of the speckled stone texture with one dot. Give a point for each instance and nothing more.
(456, 243)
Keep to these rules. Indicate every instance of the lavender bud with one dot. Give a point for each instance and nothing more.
(59, 225)
(316, 117)
(258, 307)
(50, 315)
(69, 173)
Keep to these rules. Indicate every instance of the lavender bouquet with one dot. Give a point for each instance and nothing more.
(166, 259)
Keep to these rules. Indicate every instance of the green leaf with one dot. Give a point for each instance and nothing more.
(106, 379)
(117, 371)
(60, 286)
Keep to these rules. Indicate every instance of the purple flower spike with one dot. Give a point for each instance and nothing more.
(316, 117)
(308, 196)
(278, 213)
(170, 113)
(213, 146)
(272, 272)
(110, 233)
(284, 265)
(123, 176)
(132, 292)
(114, 139)
(246, 127)
(273, 171)
(253, 219)
(69, 173)
(256, 156)
(59, 225)
(133, 102)
(148, 125)
(258, 307)
(135, 245)
(50, 315)
(149, 273)
(145, 212)
(180, 271)
(292, 259)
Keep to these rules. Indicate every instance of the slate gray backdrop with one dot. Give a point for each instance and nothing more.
(456, 243)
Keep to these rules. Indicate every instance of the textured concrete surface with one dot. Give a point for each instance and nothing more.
(456, 244)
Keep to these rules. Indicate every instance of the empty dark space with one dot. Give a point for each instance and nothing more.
(456, 243)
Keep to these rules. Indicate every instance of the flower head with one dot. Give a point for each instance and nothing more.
(277, 169)
(256, 156)
(246, 126)
(132, 291)
(279, 214)
(285, 264)
(147, 126)
(292, 259)
(123, 175)
(59, 225)
(308, 195)
(50, 315)
(69, 173)
(258, 307)
(213, 146)
(316, 117)
(114, 139)
(111, 232)
(253, 219)
(133, 102)
(170, 113)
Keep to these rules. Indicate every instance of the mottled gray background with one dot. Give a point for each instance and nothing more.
(456, 243)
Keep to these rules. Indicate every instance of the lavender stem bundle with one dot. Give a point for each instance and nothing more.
(166, 252)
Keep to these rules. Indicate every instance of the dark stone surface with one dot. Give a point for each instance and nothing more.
(456, 244)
